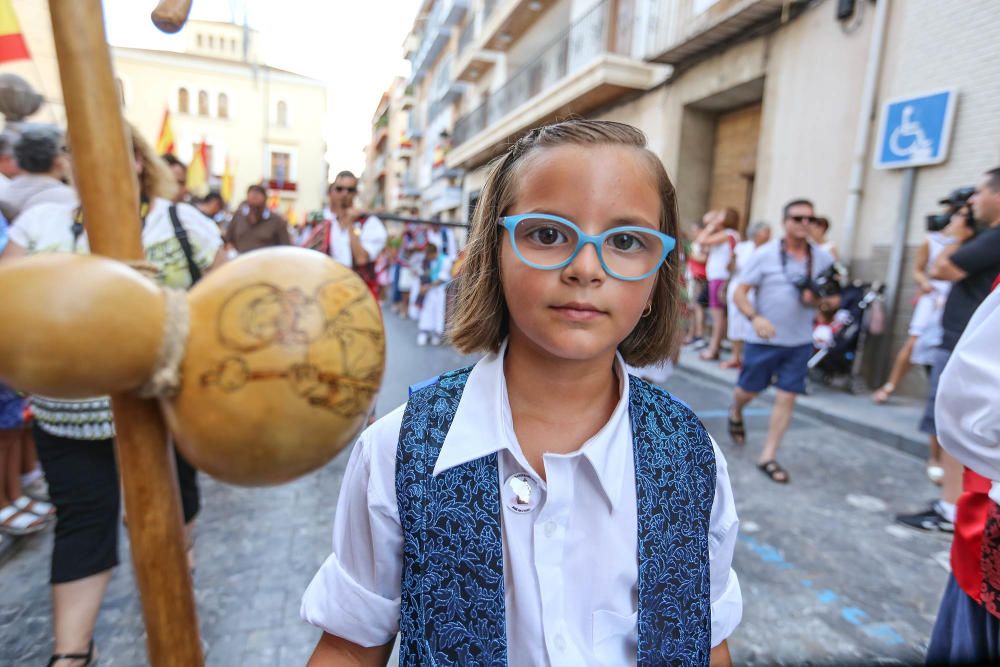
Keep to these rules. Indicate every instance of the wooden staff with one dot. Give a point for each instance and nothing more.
(105, 177)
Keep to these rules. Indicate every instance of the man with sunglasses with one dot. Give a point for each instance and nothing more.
(782, 315)
(350, 236)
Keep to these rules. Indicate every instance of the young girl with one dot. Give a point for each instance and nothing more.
(543, 507)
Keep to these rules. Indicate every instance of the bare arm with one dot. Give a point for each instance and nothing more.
(944, 268)
(761, 325)
(720, 656)
(220, 258)
(332, 651)
(12, 250)
(920, 267)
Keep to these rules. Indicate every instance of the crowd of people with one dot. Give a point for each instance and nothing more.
(759, 297)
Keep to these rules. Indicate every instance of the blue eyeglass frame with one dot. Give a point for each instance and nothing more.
(509, 222)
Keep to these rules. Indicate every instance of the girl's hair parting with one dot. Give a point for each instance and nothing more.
(481, 322)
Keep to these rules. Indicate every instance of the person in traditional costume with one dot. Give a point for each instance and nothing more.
(543, 507)
(75, 439)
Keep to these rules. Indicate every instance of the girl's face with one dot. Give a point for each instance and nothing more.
(579, 312)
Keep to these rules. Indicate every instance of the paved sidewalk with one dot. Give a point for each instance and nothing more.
(893, 424)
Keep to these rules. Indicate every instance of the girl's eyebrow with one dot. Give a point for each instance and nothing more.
(619, 221)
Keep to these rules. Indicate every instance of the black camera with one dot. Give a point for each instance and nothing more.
(824, 285)
(938, 221)
(955, 200)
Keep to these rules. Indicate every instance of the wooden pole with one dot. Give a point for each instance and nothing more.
(103, 167)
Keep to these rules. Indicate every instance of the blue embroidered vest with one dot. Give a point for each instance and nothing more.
(452, 608)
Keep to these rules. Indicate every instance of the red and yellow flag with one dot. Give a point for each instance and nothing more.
(165, 142)
(227, 183)
(12, 44)
(197, 178)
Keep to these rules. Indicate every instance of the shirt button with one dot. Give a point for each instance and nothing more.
(560, 643)
(550, 529)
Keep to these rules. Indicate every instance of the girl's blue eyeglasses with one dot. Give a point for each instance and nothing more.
(549, 242)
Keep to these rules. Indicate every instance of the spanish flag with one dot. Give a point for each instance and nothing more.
(197, 179)
(165, 142)
(227, 183)
(12, 45)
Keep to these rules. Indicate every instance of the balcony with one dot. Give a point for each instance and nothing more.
(442, 196)
(378, 167)
(578, 72)
(407, 101)
(689, 28)
(404, 151)
(509, 20)
(443, 17)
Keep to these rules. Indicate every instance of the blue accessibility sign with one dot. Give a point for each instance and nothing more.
(915, 131)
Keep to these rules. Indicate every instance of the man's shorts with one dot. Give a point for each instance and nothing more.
(939, 359)
(786, 367)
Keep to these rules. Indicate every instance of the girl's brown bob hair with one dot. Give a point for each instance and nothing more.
(481, 321)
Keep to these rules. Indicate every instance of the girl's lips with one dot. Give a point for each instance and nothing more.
(579, 312)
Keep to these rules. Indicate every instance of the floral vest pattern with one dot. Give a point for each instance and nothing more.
(452, 607)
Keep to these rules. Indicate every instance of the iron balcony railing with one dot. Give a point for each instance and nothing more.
(574, 49)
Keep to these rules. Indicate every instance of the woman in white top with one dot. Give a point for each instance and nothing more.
(739, 328)
(818, 229)
(719, 237)
(76, 438)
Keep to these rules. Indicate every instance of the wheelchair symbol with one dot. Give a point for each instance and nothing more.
(909, 140)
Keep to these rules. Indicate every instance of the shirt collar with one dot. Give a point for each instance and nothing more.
(482, 426)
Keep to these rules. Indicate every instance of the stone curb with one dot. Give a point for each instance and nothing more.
(812, 406)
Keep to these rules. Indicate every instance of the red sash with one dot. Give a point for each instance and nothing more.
(970, 521)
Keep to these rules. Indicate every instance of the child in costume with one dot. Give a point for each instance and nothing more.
(543, 507)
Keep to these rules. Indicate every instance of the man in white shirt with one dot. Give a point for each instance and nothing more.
(356, 239)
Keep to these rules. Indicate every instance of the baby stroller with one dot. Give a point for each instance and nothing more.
(837, 361)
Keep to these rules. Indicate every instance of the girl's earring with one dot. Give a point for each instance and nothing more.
(649, 310)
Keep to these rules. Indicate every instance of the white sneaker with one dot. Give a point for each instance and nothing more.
(422, 338)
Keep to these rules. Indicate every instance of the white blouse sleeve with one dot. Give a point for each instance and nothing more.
(723, 529)
(204, 233)
(355, 594)
(373, 237)
(967, 408)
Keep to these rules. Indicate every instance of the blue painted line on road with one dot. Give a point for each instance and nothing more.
(749, 412)
(857, 617)
(827, 596)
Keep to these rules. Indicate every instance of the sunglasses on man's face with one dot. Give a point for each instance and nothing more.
(799, 219)
(342, 189)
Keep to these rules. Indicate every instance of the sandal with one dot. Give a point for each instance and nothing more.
(17, 522)
(737, 431)
(774, 470)
(36, 507)
(89, 656)
(709, 356)
(883, 393)
(732, 363)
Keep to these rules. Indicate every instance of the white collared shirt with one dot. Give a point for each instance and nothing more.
(967, 405)
(373, 238)
(570, 566)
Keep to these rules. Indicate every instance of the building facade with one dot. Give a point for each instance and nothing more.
(267, 123)
(749, 103)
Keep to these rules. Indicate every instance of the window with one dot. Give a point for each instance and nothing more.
(121, 91)
(223, 106)
(280, 166)
(232, 45)
(211, 41)
(183, 103)
(202, 103)
(201, 40)
(281, 117)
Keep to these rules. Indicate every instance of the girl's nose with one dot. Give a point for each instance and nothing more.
(586, 267)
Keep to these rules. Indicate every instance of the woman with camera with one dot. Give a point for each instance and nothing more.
(954, 226)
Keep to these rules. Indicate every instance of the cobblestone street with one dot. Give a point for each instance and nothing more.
(826, 576)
